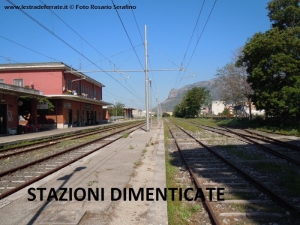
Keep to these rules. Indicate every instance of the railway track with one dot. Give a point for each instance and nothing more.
(248, 197)
(281, 149)
(20, 176)
(14, 157)
(46, 142)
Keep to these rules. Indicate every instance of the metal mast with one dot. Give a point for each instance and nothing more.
(150, 104)
(157, 107)
(146, 81)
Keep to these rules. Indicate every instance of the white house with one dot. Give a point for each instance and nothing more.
(217, 107)
(137, 113)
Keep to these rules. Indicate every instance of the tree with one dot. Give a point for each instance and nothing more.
(191, 102)
(284, 13)
(226, 112)
(44, 100)
(25, 109)
(179, 110)
(165, 114)
(232, 82)
(117, 109)
(273, 63)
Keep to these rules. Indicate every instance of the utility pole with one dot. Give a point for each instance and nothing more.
(157, 107)
(146, 78)
(146, 81)
(150, 103)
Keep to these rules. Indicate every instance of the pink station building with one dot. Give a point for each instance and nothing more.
(77, 98)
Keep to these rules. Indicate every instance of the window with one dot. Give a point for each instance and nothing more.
(77, 88)
(18, 82)
(95, 94)
(91, 92)
(82, 89)
(69, 85)
(86, 90)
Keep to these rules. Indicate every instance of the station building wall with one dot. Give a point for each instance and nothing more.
(8, 112)
(51, 82)
(73, 113)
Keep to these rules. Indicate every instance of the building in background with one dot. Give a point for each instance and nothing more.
(217, 107)
(138, 113)
(128, 112)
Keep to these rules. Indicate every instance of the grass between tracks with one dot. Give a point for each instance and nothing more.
(179, 212)
(244, 123)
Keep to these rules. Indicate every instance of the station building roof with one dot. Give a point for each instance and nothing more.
(17, 90)
(79, 98)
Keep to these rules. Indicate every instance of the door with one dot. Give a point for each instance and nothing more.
(3, 118)
(82, 118)
(87, 117)
(91, 118)
(70, 116)
(77, 118)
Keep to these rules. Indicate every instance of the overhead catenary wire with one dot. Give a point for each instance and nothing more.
(198, 40)
(127, 34)
(66, 43)
(166, 58)
(181, 65)
(152, 76)
(113, 56)
(29, 49)
(126, 50)
(111, 95)
(8, 58)
(116, 95)
(136, 21)
(81, 38)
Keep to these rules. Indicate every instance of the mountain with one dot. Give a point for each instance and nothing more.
(175, 96)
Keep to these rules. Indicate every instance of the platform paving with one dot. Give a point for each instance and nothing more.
(133, 162)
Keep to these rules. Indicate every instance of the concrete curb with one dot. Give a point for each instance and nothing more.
(157, 211)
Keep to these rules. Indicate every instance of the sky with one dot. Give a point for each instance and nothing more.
(90, 39)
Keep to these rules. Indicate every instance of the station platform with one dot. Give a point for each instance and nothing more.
(136, 162)
(32, 136)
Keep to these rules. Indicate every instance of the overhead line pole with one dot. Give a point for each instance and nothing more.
(146, 81)
(157, 108)
(150, 103)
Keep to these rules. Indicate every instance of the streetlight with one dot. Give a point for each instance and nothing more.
(79, 79)
(124, 78)
(189, 76)
(83, 78)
